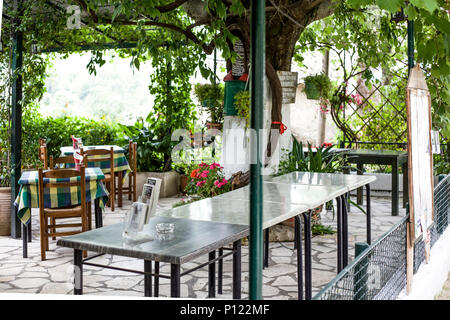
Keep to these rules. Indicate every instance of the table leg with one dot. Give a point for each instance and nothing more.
(368, 215)
(120, 188)
(298, 241)
(339, 233)
(405, 184)
(344, 219)
(78, 271)
(220, 273)
(25, 241)
(156, 279)
(175, 280)
(29, 229)
(266, 248)
(395, 188)
(359, 192)
(148, 278)
(237, 270)
(308, 266)
(98, 214)
(212, 275)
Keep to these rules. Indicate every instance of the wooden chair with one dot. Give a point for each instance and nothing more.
(132, 162)
(106, 155)
(56, 214)
(43, 153)
(62, 163)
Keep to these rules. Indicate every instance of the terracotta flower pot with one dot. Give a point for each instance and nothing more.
(183, 183)
(5, 211)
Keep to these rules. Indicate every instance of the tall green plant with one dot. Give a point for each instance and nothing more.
(321, 160)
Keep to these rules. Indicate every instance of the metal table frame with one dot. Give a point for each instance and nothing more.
(383, 157)
(175, 273)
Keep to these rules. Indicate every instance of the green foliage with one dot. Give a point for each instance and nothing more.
(322, 160)
(320, 230)
(242, 105)
(153, 149)
(211, 98)
(58, 132)
(322, 82)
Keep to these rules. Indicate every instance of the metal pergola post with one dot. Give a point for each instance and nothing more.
(410, 45)
(256, 183)
(16, 118)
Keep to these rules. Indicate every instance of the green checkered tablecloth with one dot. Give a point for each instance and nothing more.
(28, 196)
(120, 161)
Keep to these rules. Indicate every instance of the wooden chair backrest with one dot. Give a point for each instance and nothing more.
(43, 153)
(132, 155)
(62, 173)
(61, 160)
(89, 156)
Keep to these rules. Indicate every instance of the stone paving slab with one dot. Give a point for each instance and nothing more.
(55, 275)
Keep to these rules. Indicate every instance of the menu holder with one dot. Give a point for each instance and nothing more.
(150, 196)
(134, 222)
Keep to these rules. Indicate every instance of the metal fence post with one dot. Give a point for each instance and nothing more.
(360, 275)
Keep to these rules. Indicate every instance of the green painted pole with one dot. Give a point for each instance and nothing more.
(361, 275)
(16, 120)
(256, 182)
(410, 45)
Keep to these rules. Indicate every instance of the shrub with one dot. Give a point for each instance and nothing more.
(207, 180)
(58, 132)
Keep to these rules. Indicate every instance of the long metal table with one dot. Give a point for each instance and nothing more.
(191, 239)
(287, 196)
(351, 182)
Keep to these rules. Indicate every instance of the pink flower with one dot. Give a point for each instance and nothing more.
(200, 183)
(358, 99)
(203, 164)
(214, 166)
(204, 174)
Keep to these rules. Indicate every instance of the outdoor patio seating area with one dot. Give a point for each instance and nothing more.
(55, 275)
(224, 149)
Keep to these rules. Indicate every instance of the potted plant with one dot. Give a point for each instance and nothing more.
(5, 200)
(153, 157)
(242, 105)
(211, 98)
(317, 86)
(321, 160)
(207, 180)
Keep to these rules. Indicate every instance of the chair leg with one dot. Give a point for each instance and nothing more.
(46, 229)
(89, 217)
(53, 222)
(113, 190)
(130, 178)
(42, 236)
(134, 187)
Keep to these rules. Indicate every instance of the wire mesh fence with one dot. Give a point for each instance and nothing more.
(379, 272)
(441, 220)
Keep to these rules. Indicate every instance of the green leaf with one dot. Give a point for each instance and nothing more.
(429, 5)
(390, 5)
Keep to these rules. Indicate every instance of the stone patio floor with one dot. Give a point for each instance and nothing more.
(55, 275)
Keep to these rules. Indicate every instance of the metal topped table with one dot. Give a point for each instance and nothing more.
(192, 238)
(382, 157)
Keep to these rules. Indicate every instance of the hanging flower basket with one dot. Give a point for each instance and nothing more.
(312, 90)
